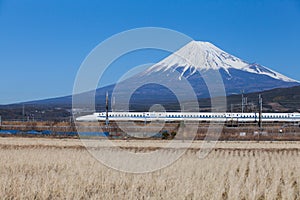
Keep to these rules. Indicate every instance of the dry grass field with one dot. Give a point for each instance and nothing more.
(36, 168)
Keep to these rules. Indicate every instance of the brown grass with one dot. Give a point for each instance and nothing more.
(63, 169)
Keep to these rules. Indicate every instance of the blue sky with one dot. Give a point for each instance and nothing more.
(43, 43)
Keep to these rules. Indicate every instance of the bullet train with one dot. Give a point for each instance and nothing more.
(191, 116)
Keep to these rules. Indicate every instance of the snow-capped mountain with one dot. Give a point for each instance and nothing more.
(204, 56)
(197, 60)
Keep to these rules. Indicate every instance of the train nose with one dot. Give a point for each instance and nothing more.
(82, 118)
(86, 118)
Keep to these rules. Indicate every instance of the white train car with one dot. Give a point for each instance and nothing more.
(191, 116)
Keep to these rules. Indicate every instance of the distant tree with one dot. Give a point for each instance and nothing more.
(165, 135)
(173, 134)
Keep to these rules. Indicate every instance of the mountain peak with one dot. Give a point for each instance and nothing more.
(200, 56)
(204, 56)
(200, 45)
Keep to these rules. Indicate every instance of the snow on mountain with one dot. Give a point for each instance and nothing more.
(204, 56)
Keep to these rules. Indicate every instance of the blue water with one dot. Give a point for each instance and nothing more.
(99, 134)
(8, 132)
(47, 132)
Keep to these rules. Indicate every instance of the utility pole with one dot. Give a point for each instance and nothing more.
(242, 101)
(23, 112)
(260, 100)
(246, 103)
(106, 110)
(113, 103)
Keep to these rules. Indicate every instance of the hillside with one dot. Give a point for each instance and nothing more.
(276, 100)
